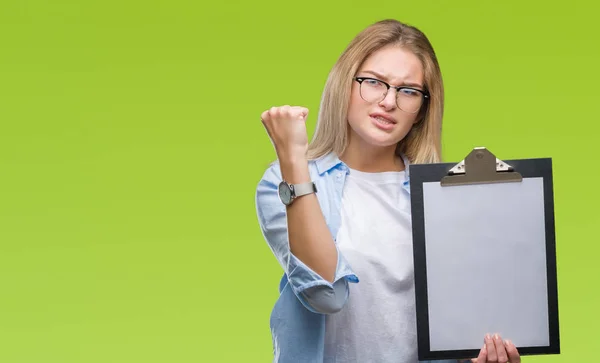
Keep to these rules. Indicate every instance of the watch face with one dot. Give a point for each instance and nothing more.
(285, 194)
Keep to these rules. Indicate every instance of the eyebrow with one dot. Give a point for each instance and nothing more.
(379, 75)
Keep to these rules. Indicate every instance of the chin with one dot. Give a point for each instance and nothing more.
(379, 138)
(377, 135)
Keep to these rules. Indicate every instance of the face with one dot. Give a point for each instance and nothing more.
(378, 121)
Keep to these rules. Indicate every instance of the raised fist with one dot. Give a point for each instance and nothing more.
(286, 126)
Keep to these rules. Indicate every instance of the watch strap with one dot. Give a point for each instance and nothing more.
(304, 189)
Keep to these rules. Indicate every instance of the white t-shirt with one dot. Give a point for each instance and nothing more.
(378, 324)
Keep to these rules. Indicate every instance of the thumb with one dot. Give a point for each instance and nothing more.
(480, 359)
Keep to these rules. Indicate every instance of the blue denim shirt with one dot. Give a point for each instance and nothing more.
(297, 328)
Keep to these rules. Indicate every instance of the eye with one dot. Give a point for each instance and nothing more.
(373, 83)
(409, 92)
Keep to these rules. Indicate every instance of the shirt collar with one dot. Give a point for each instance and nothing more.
(327, 162)
(331, 160)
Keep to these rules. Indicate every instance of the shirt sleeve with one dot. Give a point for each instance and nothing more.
(325, 300)
(271, 213)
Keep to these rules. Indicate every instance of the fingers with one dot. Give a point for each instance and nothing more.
(280, 112)
(499, 351)
(285, 112)
(286, 127)
(492, 355)
(265, 116)
(302, 112)
(513, 353)
(482, 357)
(502, 356)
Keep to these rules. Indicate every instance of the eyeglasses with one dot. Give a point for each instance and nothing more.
(408, 99)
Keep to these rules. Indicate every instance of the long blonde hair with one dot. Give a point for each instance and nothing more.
(423, 143)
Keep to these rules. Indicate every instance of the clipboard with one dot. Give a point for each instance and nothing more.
(484, 255)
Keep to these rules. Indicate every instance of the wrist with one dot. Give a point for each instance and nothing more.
(291, 153)
(294, 170)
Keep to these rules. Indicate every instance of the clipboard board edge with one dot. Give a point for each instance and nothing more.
(528, 168)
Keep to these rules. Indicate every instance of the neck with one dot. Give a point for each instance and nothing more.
(372, 159)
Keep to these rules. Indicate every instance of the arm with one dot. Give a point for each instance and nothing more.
(309, 237)
(298, 234)
(316, 293)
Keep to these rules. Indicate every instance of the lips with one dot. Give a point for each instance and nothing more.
(383, 122)
(383, 118)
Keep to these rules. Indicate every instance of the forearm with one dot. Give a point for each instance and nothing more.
(309, 237)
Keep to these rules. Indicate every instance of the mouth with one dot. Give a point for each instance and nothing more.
(383, 118)
(383, 121)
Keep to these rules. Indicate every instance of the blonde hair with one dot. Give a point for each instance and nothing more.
(423, 142)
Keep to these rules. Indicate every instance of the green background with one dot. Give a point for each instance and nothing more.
(131, 147)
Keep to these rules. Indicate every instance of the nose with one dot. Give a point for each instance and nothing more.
(389, 101)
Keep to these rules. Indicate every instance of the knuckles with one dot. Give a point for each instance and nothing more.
(283, 112)
(274, 112)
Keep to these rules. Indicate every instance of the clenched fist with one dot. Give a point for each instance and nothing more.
(286, 126)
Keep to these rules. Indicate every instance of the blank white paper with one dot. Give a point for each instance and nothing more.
(486, 263)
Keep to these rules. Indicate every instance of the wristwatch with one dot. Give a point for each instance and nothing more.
(289, 192)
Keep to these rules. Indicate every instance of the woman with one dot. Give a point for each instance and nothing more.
(338, 209)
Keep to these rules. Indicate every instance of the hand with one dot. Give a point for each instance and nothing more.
(286, 126)
(495, 350)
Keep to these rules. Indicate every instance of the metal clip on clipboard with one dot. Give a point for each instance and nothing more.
(481, 167)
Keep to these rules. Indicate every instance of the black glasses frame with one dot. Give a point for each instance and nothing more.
(425, 94)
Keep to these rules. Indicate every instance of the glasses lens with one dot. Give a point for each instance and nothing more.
(372, 90)
(409, 100)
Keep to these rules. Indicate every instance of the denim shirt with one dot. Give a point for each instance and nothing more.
(297, 329)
